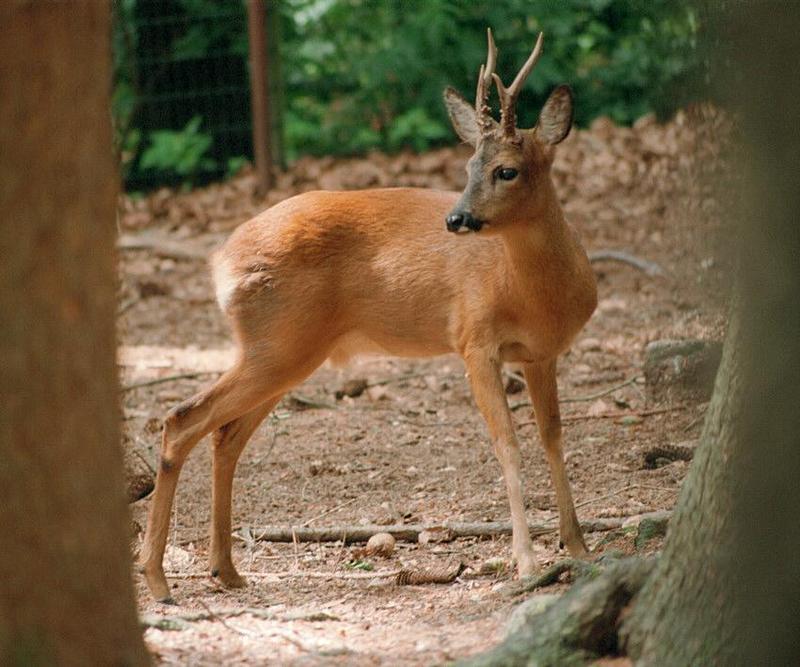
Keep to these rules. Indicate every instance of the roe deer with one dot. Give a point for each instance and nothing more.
(329, 274)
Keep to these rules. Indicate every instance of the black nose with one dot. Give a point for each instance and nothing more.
(454, 221)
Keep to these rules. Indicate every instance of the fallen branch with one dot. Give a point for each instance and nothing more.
(438, 576)
(294, 574)
(650, 268)
(410, 532)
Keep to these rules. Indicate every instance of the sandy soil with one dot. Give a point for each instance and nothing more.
(413, 448)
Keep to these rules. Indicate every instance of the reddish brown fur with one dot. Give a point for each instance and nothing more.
(331, 274)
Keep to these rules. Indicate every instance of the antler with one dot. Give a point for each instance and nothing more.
(508, 96)
(482, 110)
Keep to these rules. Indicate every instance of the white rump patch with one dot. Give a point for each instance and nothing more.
(225, 283)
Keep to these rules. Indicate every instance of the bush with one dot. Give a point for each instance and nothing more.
(361, 74)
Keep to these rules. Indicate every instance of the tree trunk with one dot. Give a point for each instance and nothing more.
(693, 584)
(66, 596)
(726, 590)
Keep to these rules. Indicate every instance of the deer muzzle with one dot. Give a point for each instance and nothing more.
(461, 222)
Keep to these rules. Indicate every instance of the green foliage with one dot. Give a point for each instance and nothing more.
(365, 74)
(372, 73)
(182, 152)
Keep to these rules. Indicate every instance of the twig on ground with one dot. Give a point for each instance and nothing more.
(167, 378)
(697, 419)
(650, 268)
(126, 305)
(599, 394)
(588, 397)
(629, 487)
(399, 378)
(311, 403)
(614, 415)
(330, 511)
(145, 461)
(169, 622)
(213, 616)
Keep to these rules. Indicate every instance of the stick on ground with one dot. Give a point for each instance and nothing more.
(410, 532)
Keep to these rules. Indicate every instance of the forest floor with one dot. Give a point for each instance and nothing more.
(412, 448)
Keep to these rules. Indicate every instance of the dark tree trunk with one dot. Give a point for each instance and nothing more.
(726, 590)
(65, 589)
(694, 583)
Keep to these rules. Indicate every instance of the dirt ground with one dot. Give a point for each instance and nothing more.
(413, 448)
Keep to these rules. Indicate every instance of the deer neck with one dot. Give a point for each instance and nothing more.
(539, 248)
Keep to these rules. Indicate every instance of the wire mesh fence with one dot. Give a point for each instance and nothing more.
(351, 76)
(182, 95)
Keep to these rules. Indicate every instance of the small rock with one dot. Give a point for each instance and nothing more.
(352, 388)
(678, 370)
(150, 288)
(612, 305)
(494, 566)
(380, 544)
(590, 345)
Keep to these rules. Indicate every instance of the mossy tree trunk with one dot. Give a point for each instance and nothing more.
(66, 596)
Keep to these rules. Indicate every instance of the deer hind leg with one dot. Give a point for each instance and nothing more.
(253, 382)
(490, 396)
(231, 396)
(541, 379)
(229, 442)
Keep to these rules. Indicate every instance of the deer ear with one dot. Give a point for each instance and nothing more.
(462, 115)
(555, 120)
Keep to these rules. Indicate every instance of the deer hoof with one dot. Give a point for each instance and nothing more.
(229, 577)
(526, 565)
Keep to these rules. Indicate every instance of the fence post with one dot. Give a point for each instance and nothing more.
(259, 71)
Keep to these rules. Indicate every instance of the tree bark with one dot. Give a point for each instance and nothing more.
(726, 590)
(694, 583)
(66, 595)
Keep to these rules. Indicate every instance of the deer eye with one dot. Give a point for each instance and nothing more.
(507, 173)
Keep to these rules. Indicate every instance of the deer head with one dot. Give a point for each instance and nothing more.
(510, 168)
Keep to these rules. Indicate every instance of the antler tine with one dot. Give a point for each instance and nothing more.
(508, 96)
(484, 83)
